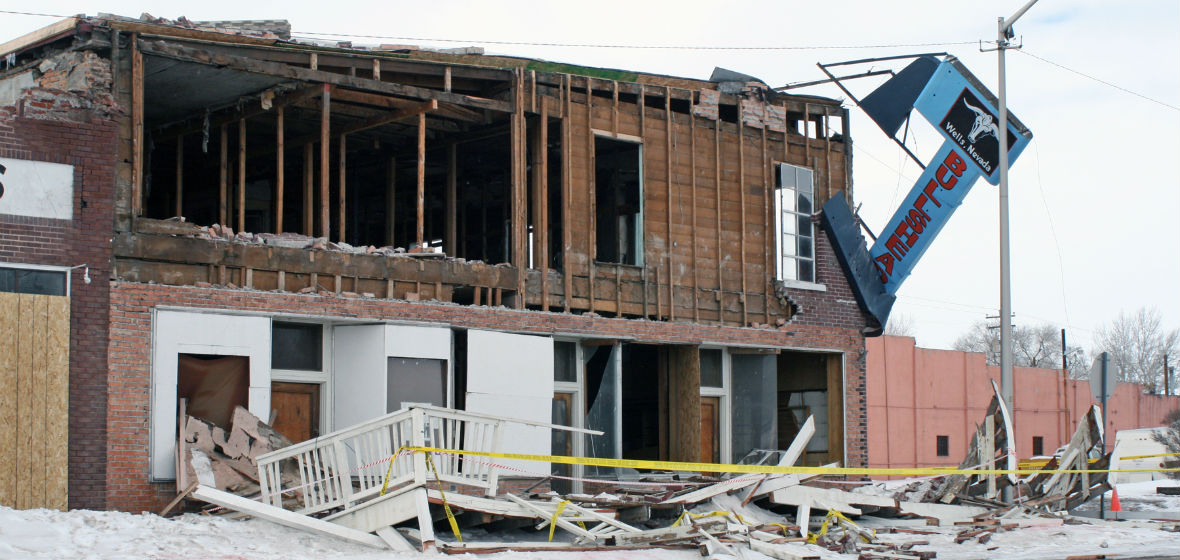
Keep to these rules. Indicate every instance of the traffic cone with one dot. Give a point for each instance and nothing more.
(1114, 500)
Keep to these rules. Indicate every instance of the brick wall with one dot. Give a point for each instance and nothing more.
(90, 148)
(130, 356)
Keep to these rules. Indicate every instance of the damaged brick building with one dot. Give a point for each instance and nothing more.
(321, 233)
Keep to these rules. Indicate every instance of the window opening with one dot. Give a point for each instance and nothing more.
(754, 394)
(618, 191)
(1038, 445)
(213, 385)
(641, 402)
(33, 281)
(297, 346)
(794, 204)
(942, 443)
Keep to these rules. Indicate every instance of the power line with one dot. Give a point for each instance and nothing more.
(1099, 80)
(1053, 230)
(32, 14)
(315, 34)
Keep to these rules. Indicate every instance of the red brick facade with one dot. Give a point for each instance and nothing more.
(90, 148)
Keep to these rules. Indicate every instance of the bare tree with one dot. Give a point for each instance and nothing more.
(1170, 438)
(900, 325)
(1032, 346)
(1137, 344)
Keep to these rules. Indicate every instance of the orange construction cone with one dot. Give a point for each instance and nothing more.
(1114, 500)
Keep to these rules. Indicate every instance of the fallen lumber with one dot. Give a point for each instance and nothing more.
(284, 517)
(829, 499)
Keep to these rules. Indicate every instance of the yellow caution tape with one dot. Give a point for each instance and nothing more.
(823, 529)
(446, 506)
(556, 514)
(765, 469)
(1148, 456)
(1038, 464)
(718, 513)
(389, 471)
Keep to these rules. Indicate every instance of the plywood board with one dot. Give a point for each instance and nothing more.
(57, 403)
(9, 345)
(25, 416)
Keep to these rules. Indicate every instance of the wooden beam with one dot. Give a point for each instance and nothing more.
(519, 217)
(308, 189)
(235, 113)
(40, 36)
(416, 110)
(276, 69)
(241, 204)
(280, 169)
(179, 175)
(341, 205)
(642, 107)
(421, 224)
(137, 154)
(325, 141)
(567, 151)
(222, 196)
(450, 214)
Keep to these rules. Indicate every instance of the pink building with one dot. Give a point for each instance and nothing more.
(923, 404)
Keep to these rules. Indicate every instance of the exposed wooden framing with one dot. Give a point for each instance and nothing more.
(377, 69)
(280, 168)
(39, 37)
(341, 198)
(241, 199)
(325, 166)
(308, 189)
(519, 217)
(767, 231)
(245, 64)
(567, 233)
(418, 109)
(533, 90)
(136, 127)
(692, 166)
(222, 195)
(447, 79)
(668, 246)
(592, 248)
(541, 204)
(420, 237)
(642, 106)
(659, 290)
(717, 167)
(827, 155)
(179, 175)
(618, 290)
(806, 136)
(313, 60)
(450, 214)
(614, 108)
(741, 134)
(231, 115)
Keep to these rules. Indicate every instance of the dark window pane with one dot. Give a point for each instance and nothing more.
(564, 364)
(804, 225)
(804, 203)
(297, 346)
(711, 368)
(806, 270)
(943, 446)
(1038, 445)
(805, 247)
(37, 282)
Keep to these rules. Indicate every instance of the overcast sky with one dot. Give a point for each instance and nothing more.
(1095, 198)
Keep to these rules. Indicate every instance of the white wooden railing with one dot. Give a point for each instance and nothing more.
(348, 467)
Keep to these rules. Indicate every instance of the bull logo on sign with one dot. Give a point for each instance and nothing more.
(2, 170)
(984, 124)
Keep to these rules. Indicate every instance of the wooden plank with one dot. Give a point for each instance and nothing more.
(421, 184)
(57, 402)
(179, 176)
(25, 402)
(684, 406)
(137, 155)
(178, 52)
(835, 384)
(223, 184)
(40, 36)
(325, 141)
(341, 199)
(284, 517)
(280, 168)
(241, 205)
(519, 177)
(9, 395)
(425, 521)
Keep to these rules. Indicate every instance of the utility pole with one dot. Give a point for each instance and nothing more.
(1003, 34)
(1064, 389)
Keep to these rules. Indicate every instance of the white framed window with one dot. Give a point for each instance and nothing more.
(794, 203)
(35, 279)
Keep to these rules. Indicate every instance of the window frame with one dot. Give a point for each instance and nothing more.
(641, 217)
(67, 270)
(780, 190)
(321, 377)
(725, 394)
(942, 446)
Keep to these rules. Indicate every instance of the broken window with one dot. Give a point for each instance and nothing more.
(794, 204)
(943, 445)
(297, 346)
(618, 192)
(754, 395)
(213, 386)
(602, 404)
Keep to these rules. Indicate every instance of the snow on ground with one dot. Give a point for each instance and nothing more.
(95, 535)
(1141, 497)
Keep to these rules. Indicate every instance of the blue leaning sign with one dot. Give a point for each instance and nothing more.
(953, 103)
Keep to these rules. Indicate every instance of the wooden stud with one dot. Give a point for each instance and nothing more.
(806, 136)
(847, 156)
(618, 290)
(692, 165)
(280, 169)
(325, 165)
(282, 281)
(542, 235)
(137, 148)
(248, 282)
(827, 156)
(668, 184)
(592, 250)
(341, 198)
(767, 232)
(223, 186)
(447, 79)
(390, 206)
(741, 160)
(717, 166)
(421, 197)
(308, 189)
(533, 90)
(241, 204)
(614, 108)
(567, 233)
(179, 176)
(450, 214)
(519, 207)
(313, 61)
(642, 106)
(478, 293)
(377, 69)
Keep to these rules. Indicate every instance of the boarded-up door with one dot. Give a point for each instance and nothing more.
(34, 400)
